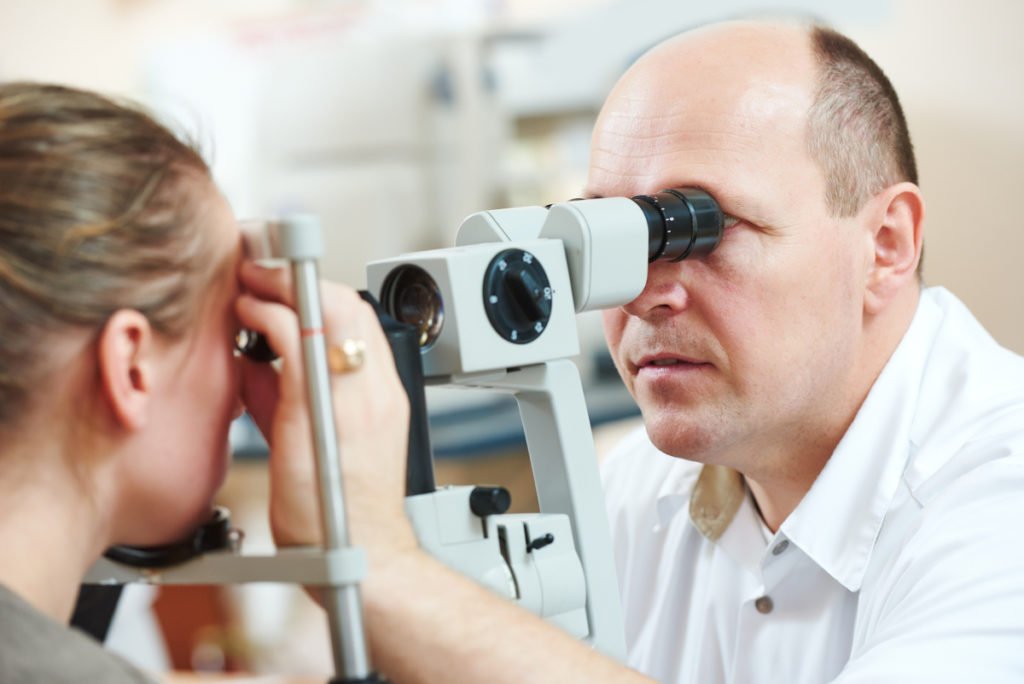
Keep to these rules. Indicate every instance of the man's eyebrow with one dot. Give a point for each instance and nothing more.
(722, 196)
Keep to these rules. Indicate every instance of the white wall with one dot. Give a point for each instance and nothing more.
(100, 44)
(958, 66)
(959, 69)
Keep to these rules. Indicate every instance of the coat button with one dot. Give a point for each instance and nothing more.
(764, 605)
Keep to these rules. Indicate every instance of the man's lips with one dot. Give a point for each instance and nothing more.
(667, 362)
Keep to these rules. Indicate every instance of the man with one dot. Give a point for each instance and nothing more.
(878, 431)
(830, 486)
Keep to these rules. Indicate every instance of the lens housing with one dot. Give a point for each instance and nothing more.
(681, 223)
(410, 295)
(254, 346)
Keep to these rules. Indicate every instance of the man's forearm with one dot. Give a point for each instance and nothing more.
(428, 625)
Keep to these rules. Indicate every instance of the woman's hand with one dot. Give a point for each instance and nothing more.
(370, 407)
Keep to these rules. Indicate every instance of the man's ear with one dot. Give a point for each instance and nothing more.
(125, 351)
(896, 218)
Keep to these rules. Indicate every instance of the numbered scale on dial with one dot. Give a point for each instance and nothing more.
(517, 296)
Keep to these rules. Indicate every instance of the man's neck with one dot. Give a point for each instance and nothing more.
(776, 500)
(779, 490)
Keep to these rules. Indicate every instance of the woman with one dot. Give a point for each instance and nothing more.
(120, 296)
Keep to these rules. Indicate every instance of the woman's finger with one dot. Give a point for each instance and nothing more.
(345, 313)
(275, 285)
(260, 394)
(279, 325)
(272, 284)
(371, 394)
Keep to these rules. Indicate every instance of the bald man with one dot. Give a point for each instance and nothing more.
(830, 482)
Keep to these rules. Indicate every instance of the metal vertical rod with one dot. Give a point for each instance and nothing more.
(343, 604)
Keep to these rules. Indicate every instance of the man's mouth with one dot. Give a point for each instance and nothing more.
(667, 361)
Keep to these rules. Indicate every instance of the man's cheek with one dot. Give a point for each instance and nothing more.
(613, 320)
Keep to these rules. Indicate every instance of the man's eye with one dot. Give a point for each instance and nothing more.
(729, 221)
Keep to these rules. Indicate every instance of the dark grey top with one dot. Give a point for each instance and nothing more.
(35, 648)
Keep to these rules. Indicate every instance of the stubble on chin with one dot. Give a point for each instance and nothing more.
(679, 433)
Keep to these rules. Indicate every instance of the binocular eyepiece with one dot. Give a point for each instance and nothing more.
(681, 223)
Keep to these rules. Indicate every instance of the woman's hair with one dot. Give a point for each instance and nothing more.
(97, 209)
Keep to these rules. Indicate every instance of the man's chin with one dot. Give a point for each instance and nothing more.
(680, 438)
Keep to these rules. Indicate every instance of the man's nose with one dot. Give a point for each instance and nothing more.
(664, 293)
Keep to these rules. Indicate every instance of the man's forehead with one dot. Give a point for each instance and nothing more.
(643, 156)
(720, 65)
(735, 43)
(663, 117)
(732, 70)
(636, 149)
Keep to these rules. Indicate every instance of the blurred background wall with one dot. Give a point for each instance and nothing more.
(393, 119)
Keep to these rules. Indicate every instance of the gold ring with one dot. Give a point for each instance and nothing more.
(347, 356)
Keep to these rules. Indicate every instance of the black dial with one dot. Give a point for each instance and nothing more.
(517, 296)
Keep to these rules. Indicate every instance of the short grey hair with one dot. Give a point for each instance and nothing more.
(856, 128)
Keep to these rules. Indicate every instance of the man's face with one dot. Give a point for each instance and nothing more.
(750, 350)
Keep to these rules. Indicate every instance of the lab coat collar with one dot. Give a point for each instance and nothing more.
(674, 491)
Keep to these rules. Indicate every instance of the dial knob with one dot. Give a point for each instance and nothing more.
(517, 296)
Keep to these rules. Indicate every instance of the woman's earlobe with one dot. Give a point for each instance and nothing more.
(124, 350)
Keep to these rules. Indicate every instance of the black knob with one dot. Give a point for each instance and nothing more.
(528, 294)
(485, 501)
(540, 542)
(517, 296)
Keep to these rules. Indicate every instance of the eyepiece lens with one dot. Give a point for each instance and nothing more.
(254, 346)
(681, 223)
(411, 296)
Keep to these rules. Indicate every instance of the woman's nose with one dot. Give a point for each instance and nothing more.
(239, 408)
(238, 405)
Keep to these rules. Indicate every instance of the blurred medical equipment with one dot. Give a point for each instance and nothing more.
(495, 312)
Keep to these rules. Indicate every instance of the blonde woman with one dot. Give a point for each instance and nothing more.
(120, 299)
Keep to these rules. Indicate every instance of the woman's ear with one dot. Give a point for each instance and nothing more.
(125, 350)
(896, 218)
